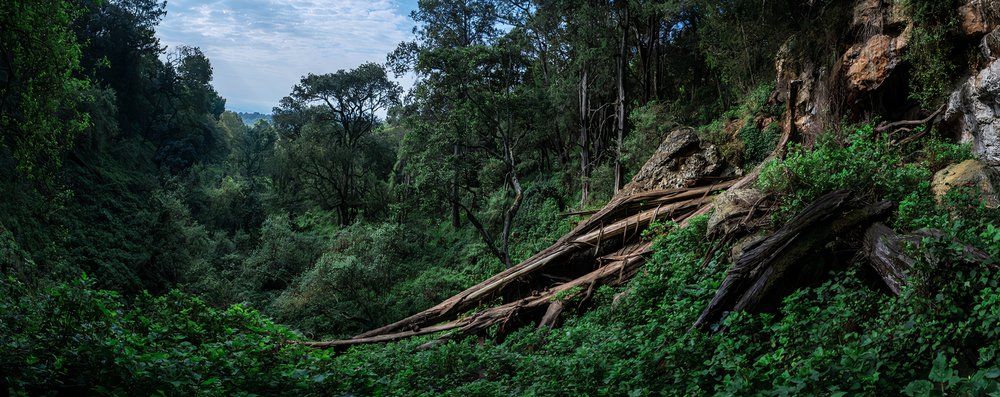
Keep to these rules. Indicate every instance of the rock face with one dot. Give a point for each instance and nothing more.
(969, 173)
(870, 63)
(681, 160)
(977, 17)
(990, 46)
(730, 208)
(884, 34)
(973, 110)
(879, 34)
(813, 104)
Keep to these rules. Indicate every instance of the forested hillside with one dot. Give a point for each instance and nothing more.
(634, 197)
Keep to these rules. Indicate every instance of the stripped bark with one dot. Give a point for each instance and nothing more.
(608, 225)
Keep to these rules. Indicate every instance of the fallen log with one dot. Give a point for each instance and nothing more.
(678, 205)
(614, 273)
(764, 264)
(887, 253)
(622, 214)
(617, 221)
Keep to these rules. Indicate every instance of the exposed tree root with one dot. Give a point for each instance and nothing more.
(910, 123)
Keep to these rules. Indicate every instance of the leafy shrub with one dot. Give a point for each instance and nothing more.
(758, 144)
(931, 51)
(72, 339)
(867, 164)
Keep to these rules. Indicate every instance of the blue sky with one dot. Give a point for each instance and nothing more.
(260, 48)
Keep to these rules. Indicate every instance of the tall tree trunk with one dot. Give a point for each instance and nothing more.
(620, 108)
(508, 220)
(456, 216)
(655, 54)
(584, 140)
(347, 192)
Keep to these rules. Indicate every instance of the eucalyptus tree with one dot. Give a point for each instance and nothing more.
(471, 116)
(331, 149)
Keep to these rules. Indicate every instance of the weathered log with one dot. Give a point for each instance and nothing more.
(616, 222)
(614, 273)
(762, 265)
(888, 256)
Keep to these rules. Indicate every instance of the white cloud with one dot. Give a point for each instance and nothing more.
(260, 48)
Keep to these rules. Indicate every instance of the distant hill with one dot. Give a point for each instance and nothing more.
(251, 118)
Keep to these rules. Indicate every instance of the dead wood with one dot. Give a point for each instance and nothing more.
(910, 123)
(615, 228)
(887, 253)
(618, 221)
(762, 265)
(551, 314)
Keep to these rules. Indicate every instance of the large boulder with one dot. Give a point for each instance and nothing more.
(681, 160)
(731, 208)
(974, 111)
(880, 32)
(969, 173)
(884, 32)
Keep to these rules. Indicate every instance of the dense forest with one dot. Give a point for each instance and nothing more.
(628, 197)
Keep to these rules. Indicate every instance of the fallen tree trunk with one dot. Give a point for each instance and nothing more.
(764, 264)
(888, 256)
(626, 217)
(617, 224)
(614, 273)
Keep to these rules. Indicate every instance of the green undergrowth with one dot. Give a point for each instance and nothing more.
(844, 336)
(750, 144)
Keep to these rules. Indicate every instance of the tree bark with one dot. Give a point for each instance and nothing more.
(508, 220)
(762, 265)
(584, 140)
(456, 216)
(620, 104)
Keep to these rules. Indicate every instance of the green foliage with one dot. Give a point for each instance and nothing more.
(737, 134)
(931, 51)
(73, 339)
(283, 254)
(333, 221)
(843, 336)
(331, 154)
(650, 124)
(739, 39)
(867, 164)
(39, 91)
